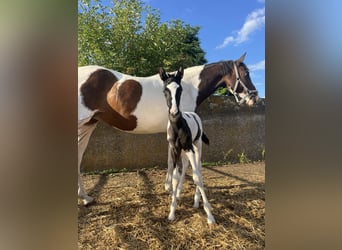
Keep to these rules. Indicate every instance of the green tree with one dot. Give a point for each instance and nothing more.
(128, 36)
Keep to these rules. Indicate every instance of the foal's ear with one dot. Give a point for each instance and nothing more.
(162, 74)
(241, 59)
(180, 72)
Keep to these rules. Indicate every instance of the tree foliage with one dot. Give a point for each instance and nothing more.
(128, 36)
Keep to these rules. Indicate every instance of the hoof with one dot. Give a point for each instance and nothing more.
(87, 200)
(211, 220)
(178, 195)
(167, 187)
(171, 217)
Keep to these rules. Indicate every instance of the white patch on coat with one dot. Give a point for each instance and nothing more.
(151, 110)
(172, 87)
(192, 123)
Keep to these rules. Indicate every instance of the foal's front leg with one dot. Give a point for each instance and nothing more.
(168, 179)
(185, 164)
(175, 180)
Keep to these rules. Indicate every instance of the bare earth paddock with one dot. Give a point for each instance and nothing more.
(131, 211)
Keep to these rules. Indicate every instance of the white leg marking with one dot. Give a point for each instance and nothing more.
(185, 163)
(169, 171)
(175, 180)
(197, 198)
(197, 177)
(198, 153)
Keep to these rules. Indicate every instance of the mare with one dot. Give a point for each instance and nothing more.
(136, 104)
(185, 135)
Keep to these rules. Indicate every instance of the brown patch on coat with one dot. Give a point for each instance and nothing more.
(99, 94)
(125, 98)
(95, 89)
(210, 76)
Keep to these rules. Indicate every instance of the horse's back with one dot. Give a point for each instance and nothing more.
(85, 71)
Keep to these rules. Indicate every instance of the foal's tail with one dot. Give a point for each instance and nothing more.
(205, 139)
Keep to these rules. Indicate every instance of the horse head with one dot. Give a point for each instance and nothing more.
(172, 89)
(238, 82)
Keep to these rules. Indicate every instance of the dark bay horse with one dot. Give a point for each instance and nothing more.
(137, 105)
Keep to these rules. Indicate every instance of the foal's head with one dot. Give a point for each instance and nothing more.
(172, 89)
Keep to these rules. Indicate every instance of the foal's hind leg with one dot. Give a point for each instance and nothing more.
(84, 133)
(198, 154)
(197, 177)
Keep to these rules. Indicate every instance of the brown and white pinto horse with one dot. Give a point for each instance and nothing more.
(137, 105)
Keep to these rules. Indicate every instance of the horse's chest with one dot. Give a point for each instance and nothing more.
(180, 137)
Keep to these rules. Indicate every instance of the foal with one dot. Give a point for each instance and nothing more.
(184, 134)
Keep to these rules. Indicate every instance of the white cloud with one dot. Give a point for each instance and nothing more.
(257, 66)
(261, 1)
(226, 41)
(254, 21)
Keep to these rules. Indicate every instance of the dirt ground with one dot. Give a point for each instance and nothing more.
(131, 211)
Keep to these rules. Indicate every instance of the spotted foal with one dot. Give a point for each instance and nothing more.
(184, 134)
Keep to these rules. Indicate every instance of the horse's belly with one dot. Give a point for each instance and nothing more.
(150, 125)
(151, 119)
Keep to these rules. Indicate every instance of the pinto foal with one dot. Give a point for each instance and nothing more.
(184, 134)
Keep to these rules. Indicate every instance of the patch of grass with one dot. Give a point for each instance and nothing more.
(113, 171)
(243, 159)
(210, 164)
(227, 155)
(106, 171)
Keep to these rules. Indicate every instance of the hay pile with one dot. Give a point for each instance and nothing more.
(132, 208)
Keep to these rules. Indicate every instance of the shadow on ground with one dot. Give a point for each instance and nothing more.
(131, 211)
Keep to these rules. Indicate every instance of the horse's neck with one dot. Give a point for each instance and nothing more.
(191, 75)
(190, 84)
(176, 121)
(203, 87)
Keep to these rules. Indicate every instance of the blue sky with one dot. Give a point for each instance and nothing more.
(228, 29)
